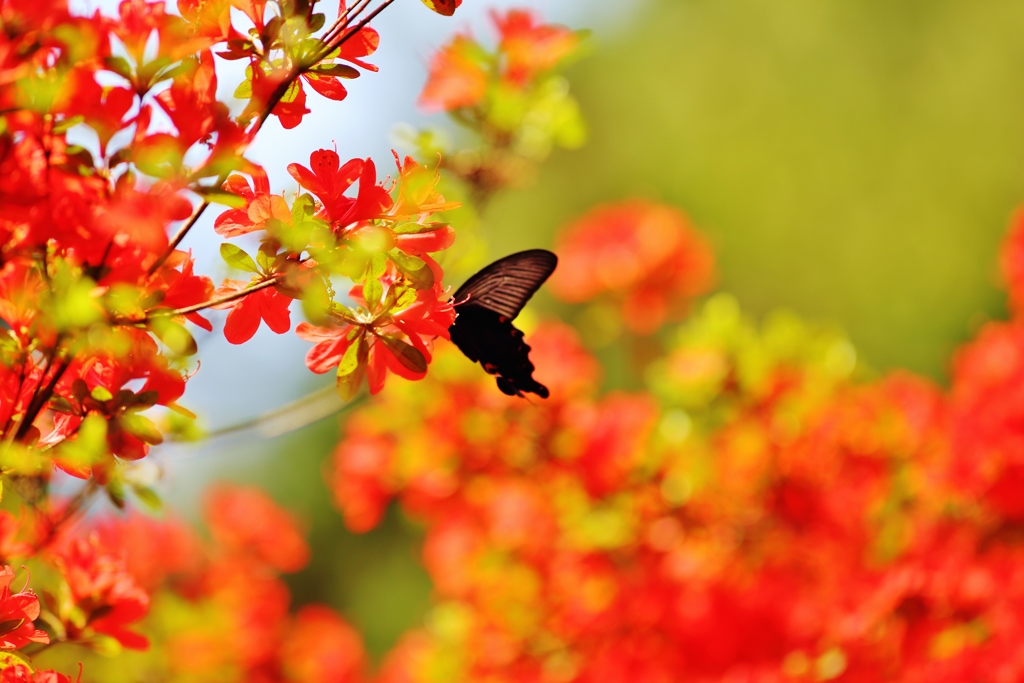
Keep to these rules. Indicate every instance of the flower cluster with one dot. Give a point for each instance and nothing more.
(113, 145)
(509, 97)
(215, 611)
(762, 511)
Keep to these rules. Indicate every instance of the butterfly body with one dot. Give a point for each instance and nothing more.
(486, 306)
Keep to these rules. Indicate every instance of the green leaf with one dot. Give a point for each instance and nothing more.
(303, 208)
(119, 65)
(141, 427)
(174, 336)
(407, 354)
(74, 301)
(16, 458)
(60, 404)
(316, 22)
(63, 125)
(236, 257)
(405, 299)
(316, 301)
(116, 493)
(183, 428)
(89, 444)
(101, 394)
(378, 265)
(416, 269)
(415, 228)
(266, 256)
(148, 497)
(339, 70)
(373, 291)
(244, 90)
(216, 195)
(352, 368)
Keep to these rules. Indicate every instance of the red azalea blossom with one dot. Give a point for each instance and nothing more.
(320, 646)
(105, 591)
(261, 206)
(531, 47)
(329, 179)
(397, 342)
(267, 305)
(17, 612)
(645, 255)
(245, 521)
(457, 77)
(19, 673)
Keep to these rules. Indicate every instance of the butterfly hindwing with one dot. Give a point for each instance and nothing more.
(487, 304)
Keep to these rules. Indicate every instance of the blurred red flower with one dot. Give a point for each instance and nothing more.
(646, 256)
(17, 612)
(247, 522)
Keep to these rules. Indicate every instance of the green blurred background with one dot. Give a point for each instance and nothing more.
(855, 161)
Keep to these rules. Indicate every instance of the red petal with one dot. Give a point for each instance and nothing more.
(242, 323)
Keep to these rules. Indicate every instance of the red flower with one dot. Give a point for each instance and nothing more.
(267, 305)
(361, 44)
(261, 206)
(398, 340)
(246, 522)
(104, 591)
(645, 255)
(359, 479)
(17, 612)
(531, 47)
(329, 180)
(153, 549)
(191, 101)
(320, 647)
(458, 77)
(417, 198)
(20, 673)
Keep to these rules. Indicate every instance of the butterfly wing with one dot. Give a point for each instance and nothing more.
(507, 284)
(486, 306)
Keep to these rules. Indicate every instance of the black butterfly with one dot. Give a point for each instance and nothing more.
(486, 306)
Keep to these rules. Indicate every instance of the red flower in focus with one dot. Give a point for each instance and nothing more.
(361, 44)
(645, 255)
(17, 612)
(245, 521)
(267, 305)
(320, 647)
(261, 206)
(398, 340)
(329, 179)
(104, 592)
(20, 673)
(418, 197)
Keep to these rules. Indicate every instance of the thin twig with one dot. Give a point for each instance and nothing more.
(227, 298)
(40, 398)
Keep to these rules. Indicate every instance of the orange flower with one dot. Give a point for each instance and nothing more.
(646, 256)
